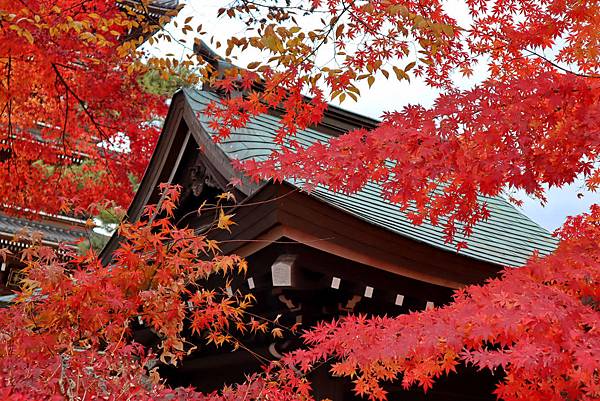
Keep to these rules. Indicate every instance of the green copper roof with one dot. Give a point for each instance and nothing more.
(508, 237)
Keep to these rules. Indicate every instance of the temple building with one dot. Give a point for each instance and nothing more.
(15, 235)
(320, 255)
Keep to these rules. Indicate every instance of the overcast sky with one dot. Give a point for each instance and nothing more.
(392, 95)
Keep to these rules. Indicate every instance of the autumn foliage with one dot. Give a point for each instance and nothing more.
(531, 122)
(71, 104)
(69, 333)
(536, 325)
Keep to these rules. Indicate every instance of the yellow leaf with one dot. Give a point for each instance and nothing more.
(28, 36)
(272, 42)
(225, 221)
(227, 196)
(242, 266)
(400, 74)
(371, 80)
(448, 29)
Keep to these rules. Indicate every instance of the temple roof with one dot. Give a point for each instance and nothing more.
(164, 4)
(155, 8)
(53, 232)
(508, 237)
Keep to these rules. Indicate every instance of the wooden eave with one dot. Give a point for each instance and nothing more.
(280, 211)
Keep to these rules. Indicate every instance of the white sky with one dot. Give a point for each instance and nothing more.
(387, 96)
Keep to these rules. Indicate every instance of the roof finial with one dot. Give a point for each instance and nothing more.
(211, 57)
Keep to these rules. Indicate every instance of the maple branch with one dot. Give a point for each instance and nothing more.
(557, 66)
(86, 111)
(273, 322)
(79, 100)
(239, 343)
(303, 59)
(368, 27)
(8, 89)
(156, 22)
(282, 7)
(235, 206)
(8, 107)
(64, 131)
(80, 5)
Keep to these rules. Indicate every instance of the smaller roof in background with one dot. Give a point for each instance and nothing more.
(164, 4)
(53, 231)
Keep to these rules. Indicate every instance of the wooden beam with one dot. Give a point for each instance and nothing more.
(363, 257)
